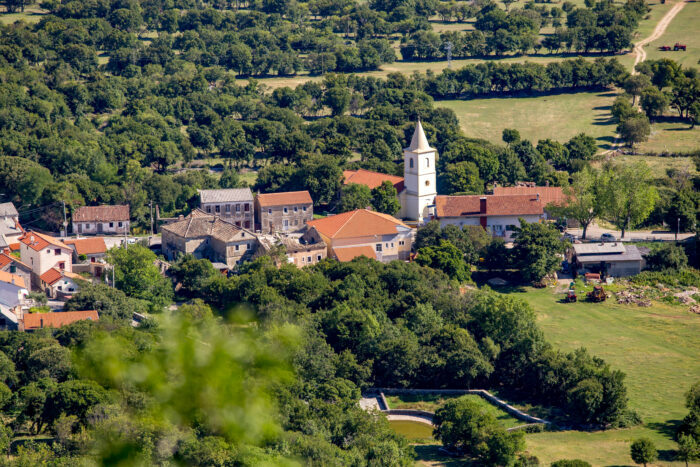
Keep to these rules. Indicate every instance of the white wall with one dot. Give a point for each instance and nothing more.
(91, 227)
(496, 225)
(43, 260)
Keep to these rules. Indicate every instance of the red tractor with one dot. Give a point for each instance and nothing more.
(678, 46)
(665, 48)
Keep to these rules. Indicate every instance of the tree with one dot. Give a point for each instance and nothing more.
(635, 84)
(338, 99)
(510, 136)
(582, 202)
(654, 102)
(682, 209)
(635, 129)
(192, 273)
(691, 422)
(464, 425)
(447, 258)
(385, 198)
(109, 302)
(535, 248)
(354, 196)
(570, 463)
(461, 177)
(137, 275)
(627, 194)
(668, 256)
(643, 451)
(582, 147)
(688, 449)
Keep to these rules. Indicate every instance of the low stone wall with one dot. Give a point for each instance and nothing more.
(517, 413)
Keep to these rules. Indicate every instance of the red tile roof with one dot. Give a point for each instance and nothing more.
(13, 246)
(470, 205)
(37, 241)
(357, 223)
(57, 319)
(371, 179)
(284, 198)
(350, 253)
(12, 279)
(88, 246)
(101, 213)
(548, 194)
(6, 258)
(51, 276)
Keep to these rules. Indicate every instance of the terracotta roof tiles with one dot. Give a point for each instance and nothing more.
(284, 199)
(37, 241)
(88, 246)
(102, 213)
(51, 276)
(470, 205)
(57, 319)
(371, 179)
(548, 194)
(358, 223)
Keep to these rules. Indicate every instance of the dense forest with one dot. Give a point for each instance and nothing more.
(268, 365)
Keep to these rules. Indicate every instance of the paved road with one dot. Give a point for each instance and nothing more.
(594, 232)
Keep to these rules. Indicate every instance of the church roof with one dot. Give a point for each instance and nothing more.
(419, 142)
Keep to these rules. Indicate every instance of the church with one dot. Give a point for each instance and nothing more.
(419, 174)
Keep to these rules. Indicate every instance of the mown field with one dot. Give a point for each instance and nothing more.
(657, 347)
(684, 29)
(559, 116)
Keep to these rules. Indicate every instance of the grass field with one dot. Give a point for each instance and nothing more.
(413, 431)
(672, 136)
(659, 165)
(656, 347)
(432, 402)
(558, 117)
(31, 14)
(685, 28)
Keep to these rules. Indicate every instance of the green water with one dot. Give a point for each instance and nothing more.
(412, 430)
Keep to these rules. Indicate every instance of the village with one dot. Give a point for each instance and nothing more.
(234, 226)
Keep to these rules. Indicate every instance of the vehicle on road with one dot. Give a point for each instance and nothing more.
(607, 237)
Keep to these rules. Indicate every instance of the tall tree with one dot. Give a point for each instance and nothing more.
(385, 199)
(582, 203)
(643, 451)
(627, 194)
(354, 196)
(535, 249)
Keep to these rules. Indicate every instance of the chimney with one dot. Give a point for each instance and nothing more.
(482, 205)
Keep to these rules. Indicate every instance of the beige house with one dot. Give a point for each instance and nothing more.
(364, 233)
(206, 236)
(60, 284)
(43, 252)
(98, 220)
(287, 211)
(234, 205)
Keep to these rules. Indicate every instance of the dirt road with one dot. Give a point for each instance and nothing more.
(639, 53)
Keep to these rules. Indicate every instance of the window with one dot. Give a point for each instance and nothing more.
(111, 225)
(427, 162)
(386, 245)
(285, 210)
(246, 207)
(238, 208)
(209, 209)
(238, 223)
(61, 265)
(304, 209)
(302, 259)
(318, 257)
(296, 221)
(218, 208)
(308, 259)
(228, 208)
(378, 247)
(237, 247)
(87, 226)
(13, 269)
(285, 223)
(92, 259)
(410, 163)
(60, 287)
(71, 289)
(392, 244)
(247, 224)
(119, 224)
(57, 251)
(269, 210)
(296, 209)
(401, 243)
(427, 183)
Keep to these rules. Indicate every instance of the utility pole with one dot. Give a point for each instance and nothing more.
(678, 227)
(448, 47)
(65, 221)
(150, 207)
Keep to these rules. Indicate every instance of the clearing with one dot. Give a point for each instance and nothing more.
(684, 28)
(557, 116)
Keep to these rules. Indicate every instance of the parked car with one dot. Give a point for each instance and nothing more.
(607, 237)
(569, 237)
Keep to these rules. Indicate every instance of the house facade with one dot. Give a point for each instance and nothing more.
(287, 211)
(43, 252)
(93, 249)
(98, 220)
(12, 265)
(364, 233)
(207, 236)
(60, 284)
(301, 249)
(497, 214)
(13, 293)
(234, 205)
(10, 229)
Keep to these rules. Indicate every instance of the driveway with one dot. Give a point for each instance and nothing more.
(594, 232)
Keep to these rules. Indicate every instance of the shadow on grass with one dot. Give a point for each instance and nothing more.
(431, 453)
(668, 427)
(609, 139)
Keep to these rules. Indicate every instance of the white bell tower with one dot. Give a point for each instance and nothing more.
(419, 176)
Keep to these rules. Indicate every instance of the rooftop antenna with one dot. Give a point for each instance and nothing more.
(448, 47)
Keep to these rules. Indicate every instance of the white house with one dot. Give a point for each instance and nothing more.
(43, 252)
(98, 220)
(13, 292)
(497, 214)
(10, 230)
(58, 284)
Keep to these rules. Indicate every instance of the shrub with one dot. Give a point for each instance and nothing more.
(571, 463)
(667, 257)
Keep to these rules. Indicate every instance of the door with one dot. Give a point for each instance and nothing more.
(80, 228)
(99, 227)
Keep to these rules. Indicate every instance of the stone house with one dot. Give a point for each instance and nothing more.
(287, 211)
(98, 220)
(207, 236)
(94, 249)
(60, 284)
(364, 233)
(302, 249)
(234, 205)
(12, 265)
